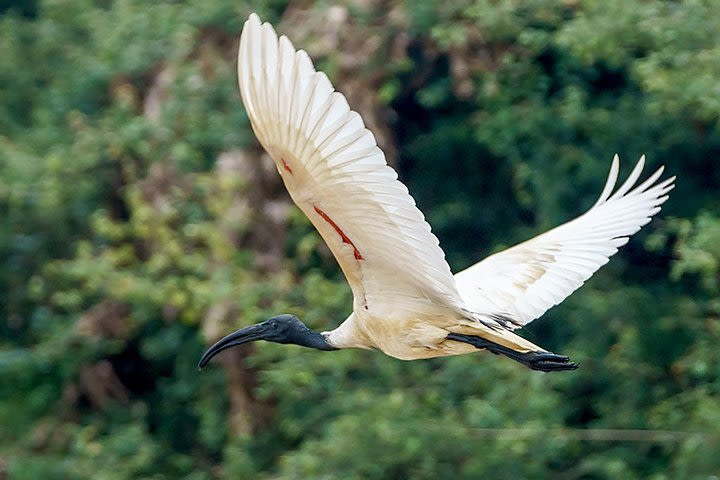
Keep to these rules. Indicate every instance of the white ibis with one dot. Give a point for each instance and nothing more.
(407, 303)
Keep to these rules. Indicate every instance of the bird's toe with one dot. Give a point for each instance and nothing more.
(549, 362)
(553, 366)
(550, 357)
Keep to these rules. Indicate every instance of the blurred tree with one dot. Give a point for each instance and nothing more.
(140, 221)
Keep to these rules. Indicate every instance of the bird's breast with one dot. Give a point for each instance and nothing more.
(411, 338)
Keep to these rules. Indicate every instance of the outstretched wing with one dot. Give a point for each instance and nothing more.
(337, 175)
(524, 281)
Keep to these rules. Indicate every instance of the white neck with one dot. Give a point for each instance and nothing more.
(347, 335)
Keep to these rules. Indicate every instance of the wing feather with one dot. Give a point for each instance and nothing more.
(335, 172)
(524, 281)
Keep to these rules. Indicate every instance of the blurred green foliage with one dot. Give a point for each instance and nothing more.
(121, 239)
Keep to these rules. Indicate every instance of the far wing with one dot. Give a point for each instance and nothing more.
(523, 282)
(337, 175)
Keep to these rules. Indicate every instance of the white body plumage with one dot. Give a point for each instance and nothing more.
(407, 301)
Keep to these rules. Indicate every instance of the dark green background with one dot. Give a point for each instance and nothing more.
(136, 228)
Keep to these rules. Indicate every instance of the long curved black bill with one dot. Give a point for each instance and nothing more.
(247, 334)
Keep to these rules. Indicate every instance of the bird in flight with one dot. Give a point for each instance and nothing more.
(407, 303)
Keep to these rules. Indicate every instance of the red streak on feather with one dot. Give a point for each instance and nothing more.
(344, 237)
(286, 166)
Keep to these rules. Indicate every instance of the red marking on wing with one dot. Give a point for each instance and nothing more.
(345, 239)
(286, 166)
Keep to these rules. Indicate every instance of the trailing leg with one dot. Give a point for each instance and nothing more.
(539, 360)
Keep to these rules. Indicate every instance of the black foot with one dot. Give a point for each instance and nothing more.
(546, 361)
(540, 360)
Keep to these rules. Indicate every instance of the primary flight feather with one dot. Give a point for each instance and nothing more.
(407, 303)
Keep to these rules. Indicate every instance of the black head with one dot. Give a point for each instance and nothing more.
(279, 329)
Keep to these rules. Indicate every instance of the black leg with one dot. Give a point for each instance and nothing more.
(540, 360)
